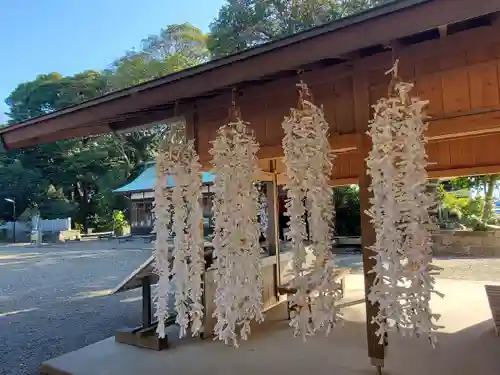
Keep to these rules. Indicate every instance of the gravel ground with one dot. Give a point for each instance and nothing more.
(54, 299)
(477, 269)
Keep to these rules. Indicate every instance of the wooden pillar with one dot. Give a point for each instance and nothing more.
(146, 302)
(272, 234)
(192, 123)
(376, 351)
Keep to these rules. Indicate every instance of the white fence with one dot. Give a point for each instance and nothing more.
(53, 225)
(56, 225)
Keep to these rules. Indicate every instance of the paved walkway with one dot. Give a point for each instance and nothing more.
(467, 346)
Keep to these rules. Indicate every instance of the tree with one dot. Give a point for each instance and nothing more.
(177, 47)
(76, 177)
(51, 92)
(485, 184)
(347, 211)
(242, 24)
(61, 172)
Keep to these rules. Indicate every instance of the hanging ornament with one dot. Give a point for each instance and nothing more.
(238, 296)
(185, 266)
(162, 224)
(263, 220)
(309, 160)
(401, 215)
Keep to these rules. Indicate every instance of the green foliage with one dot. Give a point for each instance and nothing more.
(120, 225)
(242, 24)
(486, 185)
(4, 235)
(347, 209)
(175, 48)
(50, 92)
(56, 204)
(76, 177)
(468, 211)
(452, 203)
(475, 207)
(475, 222)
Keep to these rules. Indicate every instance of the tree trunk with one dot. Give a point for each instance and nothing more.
(86, 209)
(82, 197)
(120, 146)
(488, 196)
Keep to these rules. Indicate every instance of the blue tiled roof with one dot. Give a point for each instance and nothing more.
(147, 179)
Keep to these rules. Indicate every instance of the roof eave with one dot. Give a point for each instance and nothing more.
(343, 36)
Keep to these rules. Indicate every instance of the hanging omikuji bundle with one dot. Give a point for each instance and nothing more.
(263, 219)
(162, 224)
(238, 296)
(309, 161)
(185, 265)
(400, 211)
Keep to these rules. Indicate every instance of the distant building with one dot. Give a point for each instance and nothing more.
(141, 194)
(497, 207)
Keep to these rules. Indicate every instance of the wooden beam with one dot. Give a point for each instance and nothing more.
(265, 165)
(482, 36)
(464, 124)
(344, 181)
(394, 21)
(443, 31)
(376, 351)
(345, 143)
(265, 177)
(339, 143)
(461, 172)
(84, 131)
(281, 179)
(453, 126)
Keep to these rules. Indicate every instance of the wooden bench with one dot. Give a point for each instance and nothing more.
(287, 289)
(493, 293)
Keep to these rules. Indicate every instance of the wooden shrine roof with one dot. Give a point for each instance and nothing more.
(333, 43)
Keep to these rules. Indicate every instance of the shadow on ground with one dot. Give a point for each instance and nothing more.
(55, 299)
(273, 349)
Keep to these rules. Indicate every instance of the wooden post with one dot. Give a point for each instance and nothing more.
(276, 230)
(272, 234)
(376, 351)
(146, 302)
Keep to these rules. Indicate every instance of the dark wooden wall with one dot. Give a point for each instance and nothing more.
(459, 74)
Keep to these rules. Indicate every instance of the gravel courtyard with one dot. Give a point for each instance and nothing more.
(55, 299)
(476, 269)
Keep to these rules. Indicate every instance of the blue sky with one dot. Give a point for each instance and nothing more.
(69, 36)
